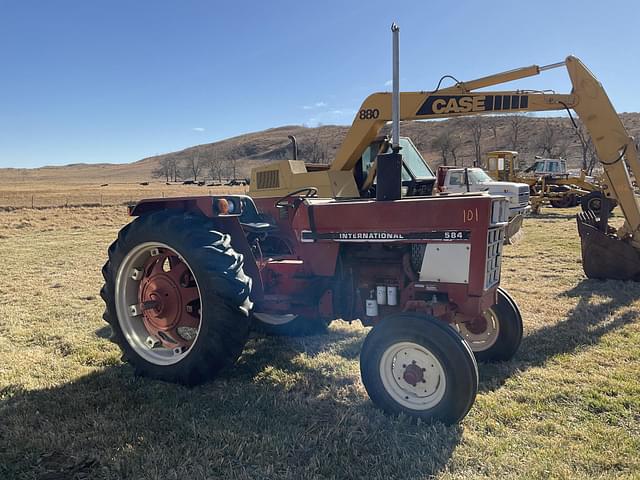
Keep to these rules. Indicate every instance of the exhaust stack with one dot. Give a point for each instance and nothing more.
(389, 185)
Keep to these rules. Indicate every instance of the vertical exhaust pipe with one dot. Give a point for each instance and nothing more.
(395, 96)
(389, 185)
(294, 145)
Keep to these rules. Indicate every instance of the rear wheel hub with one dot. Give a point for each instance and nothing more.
(158, 303)
(168, 290)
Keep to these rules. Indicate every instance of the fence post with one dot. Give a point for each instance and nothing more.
(31, 201)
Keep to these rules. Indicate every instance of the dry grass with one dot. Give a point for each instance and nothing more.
(568, 405)
(46, 194)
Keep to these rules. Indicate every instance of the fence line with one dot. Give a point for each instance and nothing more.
(36, 201)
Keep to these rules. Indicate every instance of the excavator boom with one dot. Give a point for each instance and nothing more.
(607, 253)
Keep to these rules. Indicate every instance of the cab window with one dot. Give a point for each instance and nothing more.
(413, 163)
(538, 167)
(455, 178)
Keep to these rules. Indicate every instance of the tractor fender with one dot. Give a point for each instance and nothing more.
(227, 224)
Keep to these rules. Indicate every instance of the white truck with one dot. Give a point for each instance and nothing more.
(473, 179)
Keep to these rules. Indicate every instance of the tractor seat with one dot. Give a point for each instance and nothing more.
(252, 221)
(258, 227)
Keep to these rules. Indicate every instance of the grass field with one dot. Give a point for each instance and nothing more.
(47, 194)
(567, 406)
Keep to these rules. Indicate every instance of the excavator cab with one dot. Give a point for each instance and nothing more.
(417, 177)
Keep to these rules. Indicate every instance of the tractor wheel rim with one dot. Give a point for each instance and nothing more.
(412, 375)
(485, 337)
(595, 204)
(158, 303)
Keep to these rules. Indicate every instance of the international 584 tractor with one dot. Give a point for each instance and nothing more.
(187, 277)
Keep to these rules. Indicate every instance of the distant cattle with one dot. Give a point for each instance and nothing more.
(236, 182)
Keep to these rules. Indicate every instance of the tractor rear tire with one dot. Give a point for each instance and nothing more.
(503, 333)
(199, 289)
(420, 366)
(297, 326)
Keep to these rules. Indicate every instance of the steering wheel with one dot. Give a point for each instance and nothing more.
(308, 192)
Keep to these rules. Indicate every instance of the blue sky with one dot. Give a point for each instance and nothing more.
(116, 81)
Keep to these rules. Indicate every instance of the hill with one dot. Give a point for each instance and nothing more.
(551, 136)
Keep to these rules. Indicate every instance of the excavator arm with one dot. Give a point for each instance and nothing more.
(616, 150)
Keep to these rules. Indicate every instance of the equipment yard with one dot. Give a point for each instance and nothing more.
(566, 406)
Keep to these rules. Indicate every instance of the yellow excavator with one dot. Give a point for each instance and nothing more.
(606, 252)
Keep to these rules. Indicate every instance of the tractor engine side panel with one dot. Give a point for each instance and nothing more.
(437, 222)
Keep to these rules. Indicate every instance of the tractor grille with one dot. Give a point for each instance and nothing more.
(499, 211)
(523, 196)
(268, 179)
(494, 256)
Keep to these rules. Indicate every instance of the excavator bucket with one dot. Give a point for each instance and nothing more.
(604, 254)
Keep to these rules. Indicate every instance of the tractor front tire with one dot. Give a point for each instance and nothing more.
(420, 366)
(498, 336)
(176, 297)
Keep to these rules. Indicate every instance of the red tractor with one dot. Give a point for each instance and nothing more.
(189, 276)
(184, 279)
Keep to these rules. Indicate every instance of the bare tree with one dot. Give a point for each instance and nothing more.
(475, 128)
(454, 144)
(175, 168)
(217, 167)
(515, 122)
(587, 149)
(163, 169)
(317, 150)
(493, 123)
(448, 144)
(168, 168)
(561, 148)
(547, 139)
(193, 166)
(442, 143)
